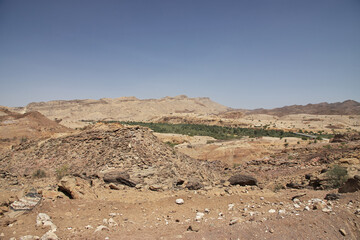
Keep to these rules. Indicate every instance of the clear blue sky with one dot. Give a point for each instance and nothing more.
(240, 53)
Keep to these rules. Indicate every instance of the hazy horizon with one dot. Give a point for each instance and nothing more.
(242, 54)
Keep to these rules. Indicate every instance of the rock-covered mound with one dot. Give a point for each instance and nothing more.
(104, 148)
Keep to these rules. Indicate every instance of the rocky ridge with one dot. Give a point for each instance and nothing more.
(107, 147)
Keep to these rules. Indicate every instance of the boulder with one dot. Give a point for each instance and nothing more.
(242, 180)
(194, 185)
(76, 188)
(351, 185)
(118, 177)
(332, 196)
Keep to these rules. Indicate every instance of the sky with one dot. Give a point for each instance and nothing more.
(240, 53)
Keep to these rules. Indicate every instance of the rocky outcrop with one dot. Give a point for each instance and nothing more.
(118, 177)
(242, 180)
(76, 188)
(351, 185)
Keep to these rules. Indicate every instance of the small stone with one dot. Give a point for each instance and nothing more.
(233, 221)
(261, 198)
(112, 222)
(41, 219)
(88, 227)
(306, 208)
(282, 211)
(179, 201)
(271, 230)
(112, 214)
(156, 188)
(296, 205)
(28, 237)
(199, 215)
(194, 227)
(113, 186)
(226, 184)
(206, 210)
(101, 228)
(357, 212)
(342, 231)
(272, 211)
(231, 206)
(49, 236)
(327, 210)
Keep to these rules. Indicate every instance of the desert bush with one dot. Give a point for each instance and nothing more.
(278, 187)
(62, 171)
(39, 174)
(337, 176)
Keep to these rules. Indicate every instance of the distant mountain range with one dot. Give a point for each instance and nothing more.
(348, 107)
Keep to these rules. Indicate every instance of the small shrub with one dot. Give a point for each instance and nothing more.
(39, 174)
(277, 187)
(171, 144)
(62, 171)
(337, 176)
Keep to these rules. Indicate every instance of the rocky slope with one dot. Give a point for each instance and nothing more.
(15, 127)
(124, 109)
(106, 147)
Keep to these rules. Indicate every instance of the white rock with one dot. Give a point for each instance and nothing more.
(296, 200)
(234, 220)
(105, 221)
(179, 201)
(112, 214)
(231, 206)
(272, 211)
(29, 237)
(307, 208)
(41, 219)
(49, 236)
(112, 222)
(206, 210)
(282, 211)
(261, 198)
(50, 224)
(88, 227)
(199, 215)
(102, 228)
(296, 205)
(327, 210)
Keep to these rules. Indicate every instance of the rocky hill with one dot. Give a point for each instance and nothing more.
(105, 147)
(348, 107)
(124, 109)
(16, 127)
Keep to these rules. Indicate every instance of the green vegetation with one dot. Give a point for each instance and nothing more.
(171, 144)
(217, 132)
(337, 176)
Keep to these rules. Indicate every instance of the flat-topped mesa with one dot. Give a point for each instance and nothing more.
(74, 112)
